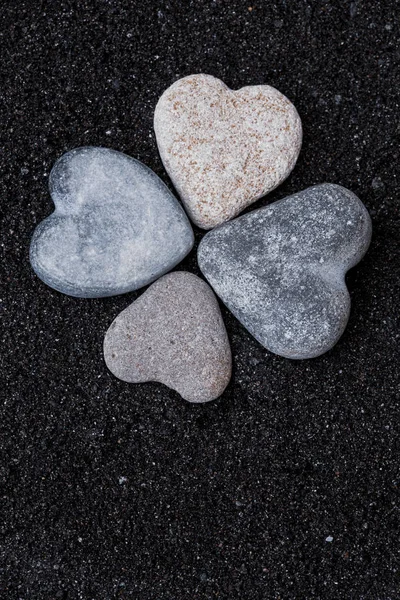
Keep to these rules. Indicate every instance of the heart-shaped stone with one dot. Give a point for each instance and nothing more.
(174, 334)
(224, 149)
(116, 226)
(281, 269)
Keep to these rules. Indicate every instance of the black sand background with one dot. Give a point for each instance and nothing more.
(110, 490)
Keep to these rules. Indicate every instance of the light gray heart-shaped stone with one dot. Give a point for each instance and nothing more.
(281, 269)
(224, 149)
(174, 334)
(116, 226)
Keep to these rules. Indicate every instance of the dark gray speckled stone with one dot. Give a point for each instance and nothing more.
(281, 269)
(116, 226)
(174, 334)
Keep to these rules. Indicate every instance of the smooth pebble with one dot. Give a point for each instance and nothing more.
(174, 334)
(281, 269)
(224, 149)
(116, 227)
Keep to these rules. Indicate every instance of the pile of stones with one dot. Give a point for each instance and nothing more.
(279, 269)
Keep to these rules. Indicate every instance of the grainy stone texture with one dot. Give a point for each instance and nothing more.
(173, 334)
(224, 149)
(116, 226)
(281, 269)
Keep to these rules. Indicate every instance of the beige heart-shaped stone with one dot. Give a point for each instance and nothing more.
(224, 149)
(174, 334)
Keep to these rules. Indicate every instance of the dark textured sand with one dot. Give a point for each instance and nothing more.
(110, 490)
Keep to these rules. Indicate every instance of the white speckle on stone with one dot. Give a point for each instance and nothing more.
(122, 480)
(329, 539)
(116, 226)
(224, 149)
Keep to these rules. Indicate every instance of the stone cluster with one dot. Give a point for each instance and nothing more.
(280, 269)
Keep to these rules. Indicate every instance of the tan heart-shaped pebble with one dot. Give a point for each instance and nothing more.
(173, 333)
(224, 149)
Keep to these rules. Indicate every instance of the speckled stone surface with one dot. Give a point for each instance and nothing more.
(281, 269)
(116, 226)
(174, 334)
(224, 149)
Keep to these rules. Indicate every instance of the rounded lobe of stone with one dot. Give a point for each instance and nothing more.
(224, 149)
(173, 334)
(116, 227)
(281, 269)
